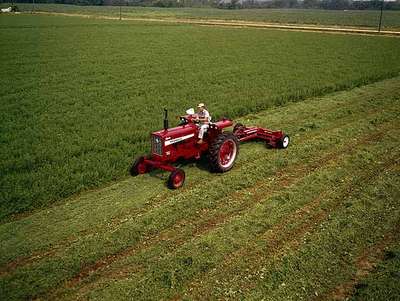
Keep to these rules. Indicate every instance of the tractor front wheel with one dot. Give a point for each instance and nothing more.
(223, 152)
(176, 179)
(138, 167)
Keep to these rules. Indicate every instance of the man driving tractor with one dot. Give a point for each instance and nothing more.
(204, 118)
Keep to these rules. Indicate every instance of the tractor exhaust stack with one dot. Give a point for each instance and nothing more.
(165, 119)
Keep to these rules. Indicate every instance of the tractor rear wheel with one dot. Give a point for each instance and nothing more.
(138, 167)
(223, 152)
(176, 179)
(284, 142)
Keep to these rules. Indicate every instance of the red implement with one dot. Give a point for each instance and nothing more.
(276, 139)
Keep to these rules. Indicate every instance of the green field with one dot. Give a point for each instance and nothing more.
(79, 97)
(319, 220)
(283, 225)
(369, 18)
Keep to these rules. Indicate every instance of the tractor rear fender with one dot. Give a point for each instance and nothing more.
(223, 123)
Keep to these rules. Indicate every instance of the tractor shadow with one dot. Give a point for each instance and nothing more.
(201, 164)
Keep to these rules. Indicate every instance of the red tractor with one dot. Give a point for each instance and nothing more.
(170, 144)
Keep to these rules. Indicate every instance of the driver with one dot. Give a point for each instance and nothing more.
(204, 118)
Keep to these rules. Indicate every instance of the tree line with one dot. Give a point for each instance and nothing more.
(326, 4)
(237, 4)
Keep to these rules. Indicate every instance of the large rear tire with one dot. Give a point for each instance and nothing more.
(138, 167)
(223, 152)
(176, 179)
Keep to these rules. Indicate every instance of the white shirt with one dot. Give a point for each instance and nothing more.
(205, 114)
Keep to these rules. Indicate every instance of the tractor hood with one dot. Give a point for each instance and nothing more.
(177, 134)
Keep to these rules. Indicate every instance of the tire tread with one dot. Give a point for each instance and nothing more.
(214, 151)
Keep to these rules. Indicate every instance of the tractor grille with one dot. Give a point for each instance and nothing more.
(156, 145)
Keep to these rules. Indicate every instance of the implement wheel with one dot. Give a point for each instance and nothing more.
(223, 152)
(176, 179)
(284, 142)
(139, 167)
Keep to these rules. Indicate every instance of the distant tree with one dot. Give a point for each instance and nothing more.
(229, 4)
(283, 4)
(233, 4)
(335, 4)
(311, 3)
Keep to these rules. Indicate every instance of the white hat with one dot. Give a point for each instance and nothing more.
(201, 105)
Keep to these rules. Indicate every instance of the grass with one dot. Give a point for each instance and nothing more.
(80, 96)
(368, 18)
(383, 283)
(282, 224)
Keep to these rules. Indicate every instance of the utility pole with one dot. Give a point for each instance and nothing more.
(380, 18)
(120, 9)
(33, 6)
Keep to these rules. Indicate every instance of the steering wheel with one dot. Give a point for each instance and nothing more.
(183, 120)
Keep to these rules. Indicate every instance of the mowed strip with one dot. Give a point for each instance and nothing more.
(244, 270)
(227, 210)
(380, 278)
(331, 255)
(161, 274)
(323, 138)
(365, 263)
